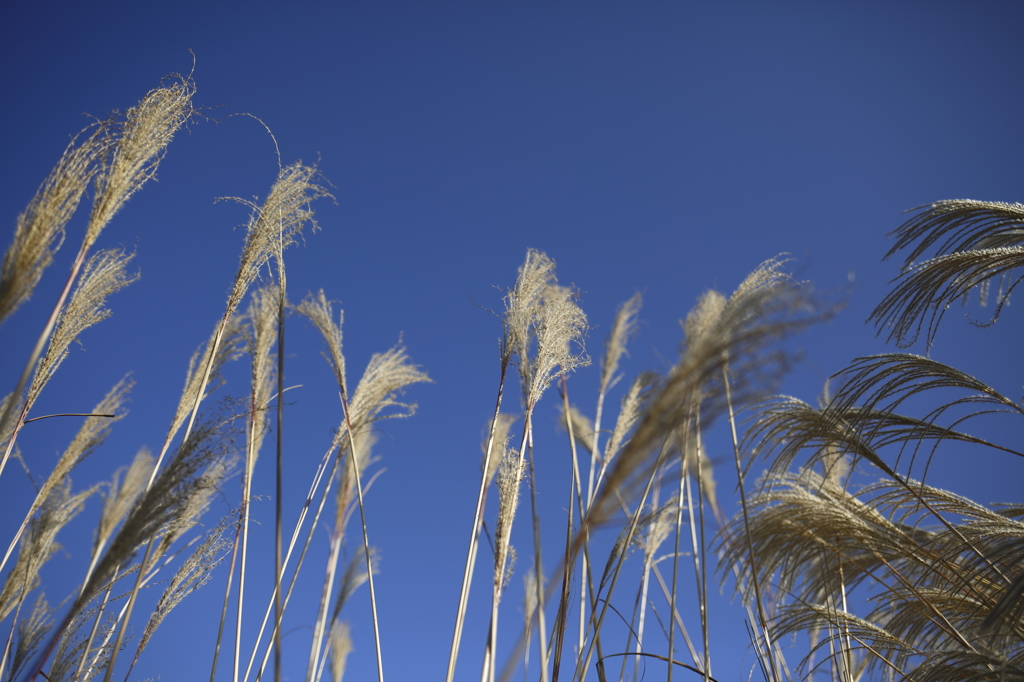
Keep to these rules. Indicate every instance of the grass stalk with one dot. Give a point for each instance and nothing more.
(317, 478)
(14, 622)
(366, 539)
(279, 496)
(474, 537)
(94, 629)
(291, 585)
(37, 351)
(703, 579)
(227, 598)
(562, 614)
(597, 618)
(684, 492)
(246, 494)
(503, 532)
(762, 621)
(319, 627)
(699, 559)
(543, 652)
(128, 612)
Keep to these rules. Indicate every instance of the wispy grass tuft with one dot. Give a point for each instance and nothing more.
(40, 228)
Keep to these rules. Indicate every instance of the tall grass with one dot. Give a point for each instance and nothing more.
(835, 522)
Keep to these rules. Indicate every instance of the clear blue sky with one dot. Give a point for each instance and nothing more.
(661, 147)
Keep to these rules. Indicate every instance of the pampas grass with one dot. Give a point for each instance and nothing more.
(841, 543)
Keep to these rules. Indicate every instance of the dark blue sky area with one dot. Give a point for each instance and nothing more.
(664, 148)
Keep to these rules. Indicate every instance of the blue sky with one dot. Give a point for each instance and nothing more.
(664, 148)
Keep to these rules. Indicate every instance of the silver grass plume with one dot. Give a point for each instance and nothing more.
(974, 243)
(502, 425)
(353, 577)
(765, 308)
(171, 504)
(40, 228)
(693, 452)
(276, 223)
(386, 376)
(262, 334)
(531, 599)
(39, 543)
(582, 427)
(530, 592)
(560, 324)
(140, 145)
(510, 474)
(142, 141)
(540, 313)
(121, 496)
(31, 631)
(794, 526)
(630, 411)
(523, 302)
(90, 435)
(71, 651)
(229, 348)
(624, 327)
(195, 504)
(318, 310)
(105, 273)
(877, 385)
(340, 646)
(355, 462)
(876, 648)
(193, 574)
(654, 528)
(808, 531)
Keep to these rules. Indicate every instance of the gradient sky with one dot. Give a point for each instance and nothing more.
(664, 148)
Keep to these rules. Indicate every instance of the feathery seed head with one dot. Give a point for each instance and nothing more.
(123, 494)
(318, 310)
(704, 473)
(531, 596)
(765, 308)
(510, 474)
(90, 435)
(539, 311)
(275, 224)
(624, 326)
(105, 273)
(195, 572)
(498, 440)
(39, 543)
(229, 348)
(560, 324)
(172, 503)
(385, 377)
(31, 631)
(633, 405)
(141, 142)
(522, 303)
(656, 526)
(262, 334)
(702, 318)
(340, 642)
(354, 577)
(582, 427)
(40, 228)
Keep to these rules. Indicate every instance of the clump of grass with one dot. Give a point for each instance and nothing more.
(807, 545)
